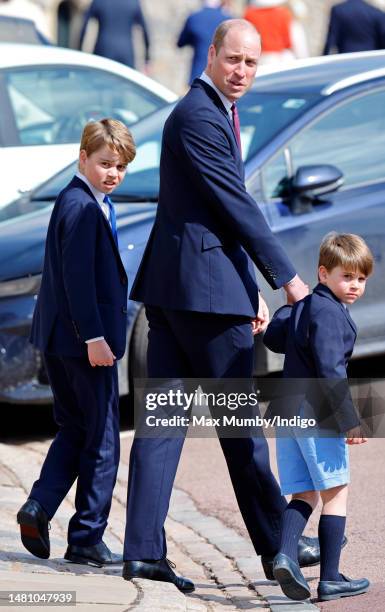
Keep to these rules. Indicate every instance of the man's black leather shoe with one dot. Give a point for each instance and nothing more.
(290, 578)
(34, 526)
(97, 555)
(328, 589)
(162, 570)
(309, 552)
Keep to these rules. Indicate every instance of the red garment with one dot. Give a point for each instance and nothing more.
(273, 24)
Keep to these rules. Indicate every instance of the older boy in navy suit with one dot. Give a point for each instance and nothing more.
(79, 325)
(317, 336)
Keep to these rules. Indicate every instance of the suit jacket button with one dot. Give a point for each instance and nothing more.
(123, 280)
(124, 310)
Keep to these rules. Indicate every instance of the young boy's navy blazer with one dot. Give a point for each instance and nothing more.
(198, 283)
(74, 305)
(83, 295)
(317, 336)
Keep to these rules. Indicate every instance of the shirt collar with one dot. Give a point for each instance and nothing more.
(98, 195)
(225, 101)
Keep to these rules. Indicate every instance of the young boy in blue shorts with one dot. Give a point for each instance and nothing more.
(317, 336)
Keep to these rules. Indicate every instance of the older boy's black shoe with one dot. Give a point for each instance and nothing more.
(34, 527)
(97, 555)
(329, 589)
(290, 578)
(162, 570)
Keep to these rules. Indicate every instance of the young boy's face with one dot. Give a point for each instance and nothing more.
(104, 168)
(346, 285)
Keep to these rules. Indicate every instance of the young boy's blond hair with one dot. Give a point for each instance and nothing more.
(112, 133)
(348, 251)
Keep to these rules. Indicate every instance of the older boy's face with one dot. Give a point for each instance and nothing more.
(105, 169)
(346, 285)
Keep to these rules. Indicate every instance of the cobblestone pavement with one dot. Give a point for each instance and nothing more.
(216, 556)
(222, 563)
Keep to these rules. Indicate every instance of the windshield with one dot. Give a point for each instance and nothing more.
(262, 116)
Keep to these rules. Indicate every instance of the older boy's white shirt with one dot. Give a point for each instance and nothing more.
(99, 197)
(225, 101)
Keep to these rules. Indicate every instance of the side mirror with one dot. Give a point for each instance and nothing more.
(310, 182)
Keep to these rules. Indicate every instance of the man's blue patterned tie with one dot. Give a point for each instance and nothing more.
(107, 200)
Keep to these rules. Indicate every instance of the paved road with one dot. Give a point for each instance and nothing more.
(208, 538)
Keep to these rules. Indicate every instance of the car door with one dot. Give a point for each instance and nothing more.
(351, 136)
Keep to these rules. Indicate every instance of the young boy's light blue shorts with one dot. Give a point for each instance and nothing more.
(312, 464)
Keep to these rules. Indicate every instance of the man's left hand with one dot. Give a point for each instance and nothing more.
(261, 321)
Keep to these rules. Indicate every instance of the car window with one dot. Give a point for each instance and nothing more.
(264, 114)
(350, 137)
(51, 106)
(274, 177)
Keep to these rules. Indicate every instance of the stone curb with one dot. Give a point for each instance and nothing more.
(223, 565)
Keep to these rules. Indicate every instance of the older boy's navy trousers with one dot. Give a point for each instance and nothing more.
(86, 447)
(199, 345)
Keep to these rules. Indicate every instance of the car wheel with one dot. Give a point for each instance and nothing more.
(137, 364)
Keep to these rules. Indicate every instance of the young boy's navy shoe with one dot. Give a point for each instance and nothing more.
(290, 578)
(330, 589)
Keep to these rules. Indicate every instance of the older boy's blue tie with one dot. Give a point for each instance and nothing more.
(111, 209)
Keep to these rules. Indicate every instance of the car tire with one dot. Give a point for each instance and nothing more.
(137, 363)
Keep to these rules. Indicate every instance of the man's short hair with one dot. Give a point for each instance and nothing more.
(225, 26)
(346, 250)
(112, 133)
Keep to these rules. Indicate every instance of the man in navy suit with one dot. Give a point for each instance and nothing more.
(79, 324)
(355, 25)
(198, 31)
(198, 283)
(116, 20)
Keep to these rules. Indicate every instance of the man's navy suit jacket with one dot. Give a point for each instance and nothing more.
(317, 336)
(208, 230)
(355, 25)
(83, 293)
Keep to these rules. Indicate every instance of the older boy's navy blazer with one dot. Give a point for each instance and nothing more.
(317, 336)
(208, 230)
(83, 292)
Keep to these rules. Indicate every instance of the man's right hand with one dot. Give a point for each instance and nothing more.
(100, 354)
(296, 290)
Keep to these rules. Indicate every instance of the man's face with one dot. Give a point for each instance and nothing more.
(347, 285)
(105, 168)
(233, 68)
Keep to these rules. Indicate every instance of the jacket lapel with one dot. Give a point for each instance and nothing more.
(77, 182)
(212, 94)
(325, 292)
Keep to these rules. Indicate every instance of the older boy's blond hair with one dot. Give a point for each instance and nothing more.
(348, 251)
(112, 133)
